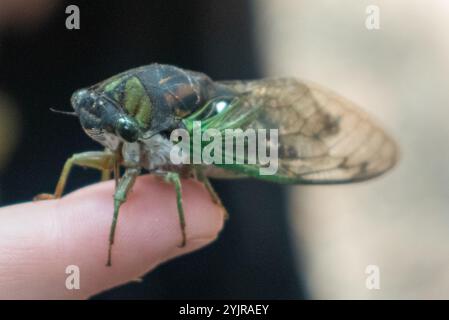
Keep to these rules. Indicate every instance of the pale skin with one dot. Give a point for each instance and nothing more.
(38, 240)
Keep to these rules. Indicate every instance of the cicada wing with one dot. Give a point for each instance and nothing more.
(322, 137)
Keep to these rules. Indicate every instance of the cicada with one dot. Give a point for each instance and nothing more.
(322, 138)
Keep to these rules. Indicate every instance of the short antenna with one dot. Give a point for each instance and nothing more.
(67, 113)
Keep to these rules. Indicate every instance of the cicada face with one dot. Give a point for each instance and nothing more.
(103, 120)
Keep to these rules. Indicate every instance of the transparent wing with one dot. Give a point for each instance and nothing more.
(323, 138)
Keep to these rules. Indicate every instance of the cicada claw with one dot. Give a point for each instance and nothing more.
(44, 196)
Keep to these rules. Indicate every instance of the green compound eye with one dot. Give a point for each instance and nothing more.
(127, 129)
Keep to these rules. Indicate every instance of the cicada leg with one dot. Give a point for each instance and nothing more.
(200, 176)
(106, 173)
(100, 160)
(124, 186)
(174, 178)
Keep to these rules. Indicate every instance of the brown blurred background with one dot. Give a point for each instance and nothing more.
(400, 74)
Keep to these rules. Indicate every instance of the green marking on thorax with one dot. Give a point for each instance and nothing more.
(111, 88)
(136, 101)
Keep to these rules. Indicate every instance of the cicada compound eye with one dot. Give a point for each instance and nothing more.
(127, 129)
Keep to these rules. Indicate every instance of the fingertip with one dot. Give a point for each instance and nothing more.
(148, 233)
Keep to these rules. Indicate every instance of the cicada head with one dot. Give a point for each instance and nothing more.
(103, 120)
(142, 102)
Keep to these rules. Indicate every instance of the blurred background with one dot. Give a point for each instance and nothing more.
(280, 242)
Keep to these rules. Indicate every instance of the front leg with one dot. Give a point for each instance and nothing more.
(101, 160)
(124, 186)
(173, 178)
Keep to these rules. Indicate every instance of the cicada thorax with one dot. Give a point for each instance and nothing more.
(158, 96)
